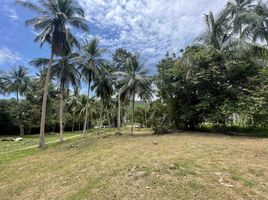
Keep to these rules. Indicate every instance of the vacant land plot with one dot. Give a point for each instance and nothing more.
(142, 166)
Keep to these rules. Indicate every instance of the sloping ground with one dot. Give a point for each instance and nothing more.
(179, 166)
(30, 141)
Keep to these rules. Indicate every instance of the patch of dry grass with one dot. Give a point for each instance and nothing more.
(142, 166)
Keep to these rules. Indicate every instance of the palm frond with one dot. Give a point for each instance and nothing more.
(32, 7)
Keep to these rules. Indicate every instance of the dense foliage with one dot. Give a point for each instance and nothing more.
(208, 86)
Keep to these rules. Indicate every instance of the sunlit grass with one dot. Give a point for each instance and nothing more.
(140, 166)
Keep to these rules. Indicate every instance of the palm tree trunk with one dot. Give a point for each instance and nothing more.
(132, 120)
(101, 115)
(86, 117)
(17, 96)
(146, 124)
(42, 143)
(61, 112)
(108, 116)
(119, 113)
(21, 126)
(73, 124)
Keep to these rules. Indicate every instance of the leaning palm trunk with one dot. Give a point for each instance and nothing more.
(42, 143)
(61, 112)
(118, 114)
(86, 116)
(132, 120)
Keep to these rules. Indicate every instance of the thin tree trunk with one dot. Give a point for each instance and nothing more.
(61, 112)
(108, 117)
(101, 121)
(21, 126)
(119, 113)
(17, 96)
(86, 117)
(42, 143)
(73, 124)
(132, 120)
(146, 125)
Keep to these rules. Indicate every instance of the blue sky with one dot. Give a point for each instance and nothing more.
(150, 27)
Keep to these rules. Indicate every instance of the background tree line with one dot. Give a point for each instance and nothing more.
(70, 62)
(219, 81)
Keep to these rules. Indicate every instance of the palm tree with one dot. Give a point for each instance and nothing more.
(71, 104)
(81, 108)
(17, 81)
(132, 80)
(217, 30)
(257, 23)
(65, 70)
(119, 110)
(220, 32)
(104, 88)
(238, 11)
(54, 18)
(90, 68)
(146, 95)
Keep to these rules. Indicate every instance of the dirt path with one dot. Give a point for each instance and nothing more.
(36, 146)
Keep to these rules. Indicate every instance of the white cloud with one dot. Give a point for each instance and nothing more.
(151, 27)
(9, 57)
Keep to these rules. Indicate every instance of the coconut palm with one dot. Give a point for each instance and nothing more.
(220, 32)
(257, 23)
(81, 108)
(119, 110)
(238, 11)
(217, 30)
(146, 95)
(90, 68)
(132, 81)
(54, 18)
(71, 104)
(104, 88)
(66, 72)
(16, 81)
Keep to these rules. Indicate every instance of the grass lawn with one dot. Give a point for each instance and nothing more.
(142, 166)
(28, 141)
